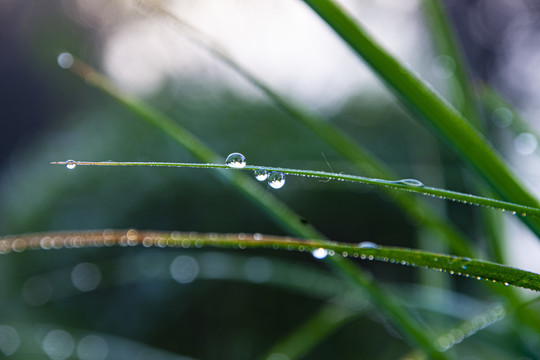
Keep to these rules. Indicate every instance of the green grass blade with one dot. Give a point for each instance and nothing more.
(359, 156)
(440, 116)
(461, 266)
(264, 199)
(446, 44)
(410, 185)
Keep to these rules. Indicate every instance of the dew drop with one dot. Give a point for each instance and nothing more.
(319, 253)
(368, 245)
(261, 174)
(235, 160)
(276, 179)
(410, 182)
(71, 164)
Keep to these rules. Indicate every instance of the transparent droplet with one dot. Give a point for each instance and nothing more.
(71, 164)
(261, 174)
(65, 60)
(368, 245)
(319, 253)
(410, 182)
(235, 160)
(276, 179)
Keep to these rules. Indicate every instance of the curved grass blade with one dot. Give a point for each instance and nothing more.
(438, 115)
(410, 185)
(359, 156)
(446, 44)
(277, 210)
(473, 268)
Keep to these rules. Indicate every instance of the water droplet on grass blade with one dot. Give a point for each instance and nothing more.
(261, 174)
(276, 179)
(235, 160)
(319, 253)
(368, 245)
(71, 164)
(410, 182)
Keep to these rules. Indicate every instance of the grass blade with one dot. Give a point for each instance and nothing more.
(461, 266)
(414, 331)
(359, 156)
(439, 116)
(410, 185)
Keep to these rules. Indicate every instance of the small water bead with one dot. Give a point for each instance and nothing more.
(319, 253)
(236, 160)
(261, 174)
(410, 182)
(276, 179)
(71, 164)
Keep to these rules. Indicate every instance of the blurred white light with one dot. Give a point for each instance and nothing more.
(319, 253)
(92, 347)
(9, 340)
(65, 60)
(258, 269)
(525, 143)
(58, 344)
(184, 269)
(85, 276)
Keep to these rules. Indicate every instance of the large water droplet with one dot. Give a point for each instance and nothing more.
(235, 160)
(71, 164)
(320, 253)
(410, 182)
(261, 174)
(276, 179)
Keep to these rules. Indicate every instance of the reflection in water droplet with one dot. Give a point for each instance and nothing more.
(184, 269)
(58, 344)
(65, 60)
(235, 160)
(71, 164)
(319, 253)
(261, 174)
(276, 179)
(85, 276)
(9, 340)
(525, 143)
(410, 182)
(92, 347)
(368, 245)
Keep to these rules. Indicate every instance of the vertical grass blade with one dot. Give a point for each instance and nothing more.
(436, 113)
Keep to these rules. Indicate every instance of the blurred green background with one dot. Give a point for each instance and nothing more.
(123, 303)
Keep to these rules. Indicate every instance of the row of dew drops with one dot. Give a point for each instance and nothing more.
(276, 179)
